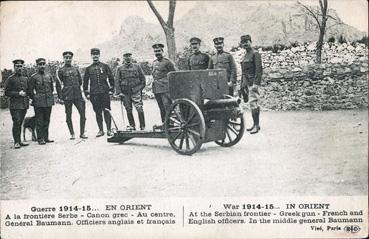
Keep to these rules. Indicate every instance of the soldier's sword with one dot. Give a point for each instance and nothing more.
(112, 118)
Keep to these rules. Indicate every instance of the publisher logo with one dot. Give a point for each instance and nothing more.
(352, 228)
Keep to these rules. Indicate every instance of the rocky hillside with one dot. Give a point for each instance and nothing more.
(268, 24)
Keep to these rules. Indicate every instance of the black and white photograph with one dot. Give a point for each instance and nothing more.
(188, 100)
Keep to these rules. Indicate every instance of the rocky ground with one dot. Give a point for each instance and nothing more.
(296, 153)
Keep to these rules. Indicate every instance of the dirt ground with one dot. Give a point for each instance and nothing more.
(296, 153)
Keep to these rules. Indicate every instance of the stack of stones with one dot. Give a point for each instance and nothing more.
(292, 81)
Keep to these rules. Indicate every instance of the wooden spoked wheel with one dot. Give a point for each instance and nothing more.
(235, 128)
(185, 126)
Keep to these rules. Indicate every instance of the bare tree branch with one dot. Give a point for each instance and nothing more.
(310, 12)
(157, 14)
(172, 8)
(338, 23)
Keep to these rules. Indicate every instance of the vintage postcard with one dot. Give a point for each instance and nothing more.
(184, 119)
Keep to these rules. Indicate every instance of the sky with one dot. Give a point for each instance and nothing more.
(30, 30)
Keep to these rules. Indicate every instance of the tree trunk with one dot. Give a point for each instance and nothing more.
(319, 47)
(171, 43)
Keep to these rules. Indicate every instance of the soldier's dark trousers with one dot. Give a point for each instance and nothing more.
(17, 117)
(164, 103)
(42, 122)
(81, 107)
(231, 91)
(99, 103)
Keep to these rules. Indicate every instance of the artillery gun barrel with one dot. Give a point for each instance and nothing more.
(221, 103)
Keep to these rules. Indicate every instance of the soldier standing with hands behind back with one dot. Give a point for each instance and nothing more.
(252, 71)
(101, 81)
(130, 81)
(71, 94)
(41, 92)
(16, 88)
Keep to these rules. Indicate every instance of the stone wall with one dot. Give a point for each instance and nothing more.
(292, 81)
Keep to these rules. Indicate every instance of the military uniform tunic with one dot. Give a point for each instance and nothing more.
(198, 61)
(14, 84)
(224, 60)
(71, 79)
(41, 91)
(129, 79)
(160, 70)
(98, 74)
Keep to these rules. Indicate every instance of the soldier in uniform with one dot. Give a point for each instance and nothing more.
(161, 67)
(252, 71)
(68, 87)
(224, 60)
(130, 81)
(41, 92)
(197, 60)
(16, 88)
(99, 78)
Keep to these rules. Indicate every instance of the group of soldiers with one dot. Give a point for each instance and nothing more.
(98, 84)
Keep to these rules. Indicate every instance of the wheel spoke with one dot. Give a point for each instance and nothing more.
(191, 118)
(192, 139)
(194, 132)
(229, 136)
(175, 120)
(187, 142)
(179, 116)
(175, 128)
(176, 137)
(233, 122)
(181, 143)
(193, 125)
(233, 130)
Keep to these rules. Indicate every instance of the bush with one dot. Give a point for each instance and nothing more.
(331, 39)
(364, 40)
(342, 40)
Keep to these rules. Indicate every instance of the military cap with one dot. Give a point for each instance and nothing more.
(195, 39)
(67, 53)
(158, 45)
(40, 60)
(127, 54)
(218, 40)
(95, 50)
(18, 61)
(245, 38)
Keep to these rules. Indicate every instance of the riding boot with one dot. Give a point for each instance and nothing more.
(253, 113)
(82, 124)
(131, 119)
(257, 127)
(141, 118)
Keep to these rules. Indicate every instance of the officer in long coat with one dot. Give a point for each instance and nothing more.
(160, 86)
(197, 60)
(98, 85)
(130, 81)
(252, 70)
(16, 88)
(224, 60)
(41, 92)
(69, 91)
